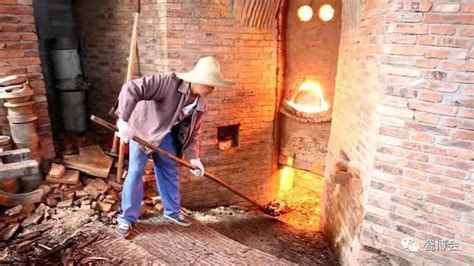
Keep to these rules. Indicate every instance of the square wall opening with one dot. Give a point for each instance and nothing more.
(228, 137)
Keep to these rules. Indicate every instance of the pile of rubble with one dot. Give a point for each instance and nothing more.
(78, 190)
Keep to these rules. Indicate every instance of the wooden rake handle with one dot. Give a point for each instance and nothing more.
(180, 161)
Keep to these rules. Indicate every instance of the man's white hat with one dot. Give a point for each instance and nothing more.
(206, 72)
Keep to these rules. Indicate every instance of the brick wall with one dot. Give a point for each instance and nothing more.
(312, 47)
(424, 159)
(354, 125)
(403, 114)
(19, 55)
(172, 36)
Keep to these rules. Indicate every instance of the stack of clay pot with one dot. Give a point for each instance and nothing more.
(5, 143)
(22, 118)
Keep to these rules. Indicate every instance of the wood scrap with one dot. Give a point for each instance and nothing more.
(101, 197)
(16, 218)
(110, 201)
(67, 195)
(104, 206)
(7, 232)
(24, 245)
(33, 232)
(32, 219)
(44, 246)
(91, 160)
(81, 194)
(57, 170)
(64, 203)
(14, 211)
(67, 242)
(75, 187)
(70, 177)
(29, 235)
(112, 195)
(95, 187)
(13, 199)
(51, 201)
(116, 186)
(92, 259)
(80, 201)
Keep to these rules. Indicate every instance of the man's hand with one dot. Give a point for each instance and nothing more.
(198, 164)
(125, 132)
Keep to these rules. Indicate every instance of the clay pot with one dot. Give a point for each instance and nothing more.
(16, 93)
(21, 109)
(10, 185)
(30, 182)
(12, 80)
(24, 135)
(22, 119)
(6, 143)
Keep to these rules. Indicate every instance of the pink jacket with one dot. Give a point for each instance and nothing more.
(151, 106)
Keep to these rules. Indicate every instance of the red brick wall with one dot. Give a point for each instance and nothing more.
(312, 47)
(403, 114)
(354, 124)
(424, 159)
(172, 36)
(19, 55)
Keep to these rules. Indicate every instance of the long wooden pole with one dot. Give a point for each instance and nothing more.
(130, 68)
(182, 162)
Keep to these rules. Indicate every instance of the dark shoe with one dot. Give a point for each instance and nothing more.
(178, 220)
(123, 229)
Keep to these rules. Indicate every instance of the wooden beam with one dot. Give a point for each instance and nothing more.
(18, 155)
(19, 169)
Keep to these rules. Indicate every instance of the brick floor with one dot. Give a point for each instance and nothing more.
(196, 244)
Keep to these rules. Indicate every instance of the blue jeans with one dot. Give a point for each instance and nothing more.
(166, 174)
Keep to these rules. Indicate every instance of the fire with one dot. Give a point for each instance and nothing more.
(287, 176)
(304, 204)
(309, 98)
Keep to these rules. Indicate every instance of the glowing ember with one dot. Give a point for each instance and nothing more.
(303, 202)
(287, 176)
(276, 208)
(309, 98)
(305, 209)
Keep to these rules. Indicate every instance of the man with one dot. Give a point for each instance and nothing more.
(167, 110)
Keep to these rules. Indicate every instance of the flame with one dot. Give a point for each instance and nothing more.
(287, 176)
(307, 89)
(305, 204)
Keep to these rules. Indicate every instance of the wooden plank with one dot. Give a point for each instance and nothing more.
(18, 155)
(19, 169)
(91, 160)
